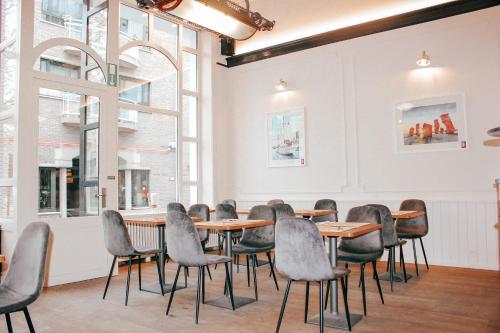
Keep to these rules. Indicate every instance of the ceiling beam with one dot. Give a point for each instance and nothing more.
(364, 29)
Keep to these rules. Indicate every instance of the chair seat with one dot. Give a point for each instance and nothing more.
(11, 301)
(357, 258)
(398, 243)
(252, 248)
(145, 250)
(407, 235)
(216, 259)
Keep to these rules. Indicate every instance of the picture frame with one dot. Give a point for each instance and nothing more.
(286, 142)
(430, 124)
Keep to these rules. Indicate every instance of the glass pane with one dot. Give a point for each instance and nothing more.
(189, 69)
(8, 19)
(97, 33)
(59, 159)
(189, 38)
(8, 63)
(189, 116)
(6, 147)
(190, 158)
(96, 75)
(165, 35)
(6, 202)
(95, 3)
(92, 110)
(133, 25)
(58, 18)
(190, 195)
(148, 78)
(147, 162)
(92, 155)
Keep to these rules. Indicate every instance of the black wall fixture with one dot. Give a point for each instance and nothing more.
(390, 23)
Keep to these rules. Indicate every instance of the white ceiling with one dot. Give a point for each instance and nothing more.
(300, 18)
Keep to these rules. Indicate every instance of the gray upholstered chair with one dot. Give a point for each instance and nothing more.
(201, 211)
(301, 256)
(176, 207)
(275, 201)
(231, 202)
(414, 228)
(283, 210)
(325, 204)
(224, 211)
(185, 248)
(390, 240)
(257, 240)
(119, 245)
(25, 278)
(364, 249)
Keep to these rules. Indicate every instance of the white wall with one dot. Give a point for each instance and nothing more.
(349, 90)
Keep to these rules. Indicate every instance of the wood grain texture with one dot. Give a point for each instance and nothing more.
(153, 221)
(298, 213)
(2, 258)
(406, 214)
(233, 224)
(346, 229)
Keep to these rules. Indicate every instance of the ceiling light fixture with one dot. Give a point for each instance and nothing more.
(424, 60)
(281, 85)
(222, 16)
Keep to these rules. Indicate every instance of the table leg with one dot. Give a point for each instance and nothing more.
(224, 301)
(167, 287)
(333, 318)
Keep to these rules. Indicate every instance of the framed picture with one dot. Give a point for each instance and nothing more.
(286, 144)
(431, 124)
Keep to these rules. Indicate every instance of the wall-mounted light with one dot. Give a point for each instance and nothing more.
(281, 85)
(424, 60)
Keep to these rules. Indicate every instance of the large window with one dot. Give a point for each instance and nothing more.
(56, 11)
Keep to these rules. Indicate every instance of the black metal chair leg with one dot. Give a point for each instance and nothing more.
(139, 273)
(321, 312)
(306, 307)
(363, 287)
(160, 281)
(346, 304)
(198, 294)
(374, 263)
(248, 271)
(237, 263)
(274, 260)
(254, 269)
(283, 305)
(389, 261)
(230, 285)
(327, 294)
(392, 264)
(415, 255)
(203, 285)
(9, 323)
(423, 250)
(272, 270)
(109, 277)
(402, 260)
(209, 274)
(186, 274)
(347, 280)
(174, 286)
(28, 320)
(128, 279)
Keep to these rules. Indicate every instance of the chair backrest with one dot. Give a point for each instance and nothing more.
(27, 267)
(230, 202)
(225, 211)
(202, 211)
(183, 241)
(283, 210)
(176, 207)
(300, 250)
(116, 237)
(418, 226)
(326, 204)
(275, 201)
(369, 243)
(262, 235)
(389, 236)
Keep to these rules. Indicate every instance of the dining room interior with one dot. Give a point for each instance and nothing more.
(249, 166)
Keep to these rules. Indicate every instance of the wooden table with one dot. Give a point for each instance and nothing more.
(406, 214)
(304, 213)
(333, 230)
(228, 226)
(159, 223)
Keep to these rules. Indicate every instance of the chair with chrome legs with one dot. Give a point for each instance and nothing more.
(364, 249)
(301, 256)
(414, 228)
(257, 240)
(325, 204)
(24, 280)
(119, 245)
(275, 201)
(201, 211)
(390, 240)
(185, 248)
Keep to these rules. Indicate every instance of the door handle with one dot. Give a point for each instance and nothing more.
(103, 197)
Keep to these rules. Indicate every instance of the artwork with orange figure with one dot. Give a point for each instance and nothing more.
(429, 124)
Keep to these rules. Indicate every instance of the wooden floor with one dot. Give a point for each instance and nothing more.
(440, 300)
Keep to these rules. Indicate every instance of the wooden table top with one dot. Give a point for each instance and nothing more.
(407, 214)
(302, 212)
(346, 229)
(2, 258)
(228, 225)
(152, 221)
